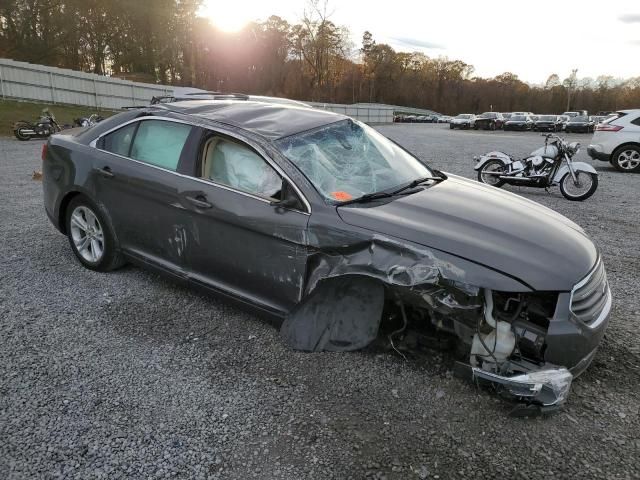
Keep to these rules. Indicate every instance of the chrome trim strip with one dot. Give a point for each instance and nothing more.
(604, 313)
(607, 306)
(261, 152)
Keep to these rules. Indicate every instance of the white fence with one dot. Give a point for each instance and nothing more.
(371, 112)
(25, 81)
(367, 114)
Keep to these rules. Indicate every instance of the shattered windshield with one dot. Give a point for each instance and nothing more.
(348, 159)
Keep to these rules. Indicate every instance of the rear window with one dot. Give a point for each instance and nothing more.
(636, 121)
(547, 118)
(579, 119)
(156, 142)
(160, 143)
(518, 118)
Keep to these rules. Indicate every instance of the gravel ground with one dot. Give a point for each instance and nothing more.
(127, 375)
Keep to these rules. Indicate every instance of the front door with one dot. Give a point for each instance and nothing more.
(244, 243)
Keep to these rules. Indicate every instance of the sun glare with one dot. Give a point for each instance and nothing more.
(228, 18)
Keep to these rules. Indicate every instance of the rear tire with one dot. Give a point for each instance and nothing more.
(572, 192)
(19, 135)
(626, 159)
(91, 236)
(492, 180)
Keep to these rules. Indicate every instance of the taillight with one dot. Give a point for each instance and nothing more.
(608, 128)
(44, 151)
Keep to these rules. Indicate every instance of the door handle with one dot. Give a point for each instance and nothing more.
(105, 172)
(199, 201)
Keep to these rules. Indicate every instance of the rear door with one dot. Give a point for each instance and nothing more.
(137, 178)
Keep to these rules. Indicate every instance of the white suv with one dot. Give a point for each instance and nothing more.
(617, 140)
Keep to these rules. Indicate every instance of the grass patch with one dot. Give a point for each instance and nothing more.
(12, 111)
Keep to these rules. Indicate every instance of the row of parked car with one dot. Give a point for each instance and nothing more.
(574, 122)
(420, 118)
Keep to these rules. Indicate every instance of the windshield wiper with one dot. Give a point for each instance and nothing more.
(416, 183)
(367, 197)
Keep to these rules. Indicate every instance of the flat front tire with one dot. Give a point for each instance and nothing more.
(90, 236)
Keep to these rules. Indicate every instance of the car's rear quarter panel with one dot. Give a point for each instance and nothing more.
(66, 168)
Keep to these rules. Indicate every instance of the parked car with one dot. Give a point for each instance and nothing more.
(518, 122)
(563, 119)
(579, 124)
(444, 119)
(617, 140)
(489, 121)
(577, 113)
(463, 121)
(521, 114)
(547, 123)
(506, 116)
(323, 224)
(597, 119)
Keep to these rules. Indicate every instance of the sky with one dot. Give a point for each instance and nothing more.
(532, 39)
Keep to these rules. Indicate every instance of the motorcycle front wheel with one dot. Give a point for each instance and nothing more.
(486, 173)
(582, 188)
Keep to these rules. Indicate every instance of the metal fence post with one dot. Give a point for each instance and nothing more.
(1, 83)
(53, 90)
(95, 93)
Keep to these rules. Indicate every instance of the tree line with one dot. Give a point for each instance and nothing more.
(166, 41)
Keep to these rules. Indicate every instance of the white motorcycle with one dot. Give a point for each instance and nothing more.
(546, 167)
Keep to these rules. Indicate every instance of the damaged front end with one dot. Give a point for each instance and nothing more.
(500, 335)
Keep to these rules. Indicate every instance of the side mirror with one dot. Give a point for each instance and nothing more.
(288, 198)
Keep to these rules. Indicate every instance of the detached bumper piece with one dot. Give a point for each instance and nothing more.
(536, 392)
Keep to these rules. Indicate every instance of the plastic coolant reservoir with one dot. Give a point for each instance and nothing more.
(500, 343)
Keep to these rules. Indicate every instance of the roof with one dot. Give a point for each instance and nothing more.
(272, 121)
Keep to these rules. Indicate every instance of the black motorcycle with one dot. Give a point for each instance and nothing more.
(47, 125)
(546, 167)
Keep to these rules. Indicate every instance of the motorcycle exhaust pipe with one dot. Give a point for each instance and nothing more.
(517, 179)
(26, 131)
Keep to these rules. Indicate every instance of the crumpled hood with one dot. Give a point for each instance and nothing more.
(486, 225)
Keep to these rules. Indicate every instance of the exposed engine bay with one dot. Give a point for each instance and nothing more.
(498, 338)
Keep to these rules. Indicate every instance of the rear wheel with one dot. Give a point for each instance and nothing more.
(90, 236)
(487, 173)
(582, 188)
(626, 159)
(19, 132)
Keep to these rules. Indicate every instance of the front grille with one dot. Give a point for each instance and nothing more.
(590, 296)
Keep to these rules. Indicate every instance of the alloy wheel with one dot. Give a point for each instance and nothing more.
(629, 159)
(87, 234)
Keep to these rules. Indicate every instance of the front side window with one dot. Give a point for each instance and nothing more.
(237, 166)
(160, 143)
(348, 159)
